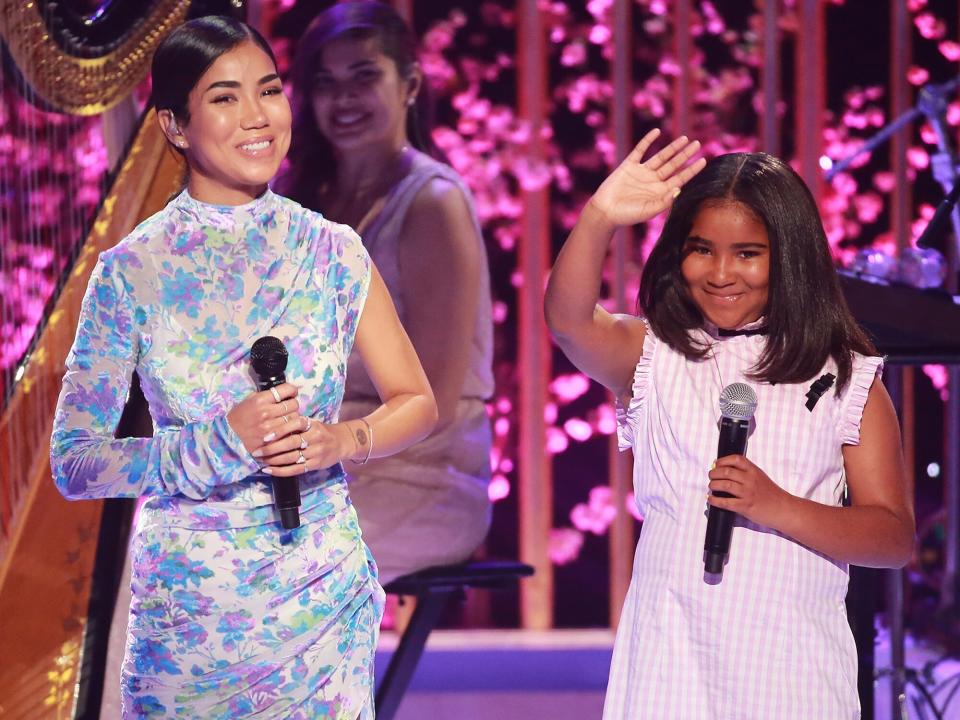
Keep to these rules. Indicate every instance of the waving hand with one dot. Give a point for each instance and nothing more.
(639, 189)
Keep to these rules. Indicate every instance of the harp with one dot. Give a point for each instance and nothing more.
(62, 61)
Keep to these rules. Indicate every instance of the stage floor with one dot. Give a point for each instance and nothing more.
(561, 675)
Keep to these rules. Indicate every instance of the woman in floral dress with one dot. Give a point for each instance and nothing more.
(231, 615)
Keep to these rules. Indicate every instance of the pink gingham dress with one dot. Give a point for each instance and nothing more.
(770, 641)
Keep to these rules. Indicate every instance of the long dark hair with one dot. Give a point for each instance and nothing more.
(312, 162)
(188, 52)
(807, 317)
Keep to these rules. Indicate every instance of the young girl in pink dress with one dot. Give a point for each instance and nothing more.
(740, 287)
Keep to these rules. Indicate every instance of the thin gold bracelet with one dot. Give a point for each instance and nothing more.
(370, 446)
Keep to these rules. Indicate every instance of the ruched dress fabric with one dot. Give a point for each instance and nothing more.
(231, 616)
(427, 505)
(769, 638)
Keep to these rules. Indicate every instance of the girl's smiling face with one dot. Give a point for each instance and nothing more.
(726, 264)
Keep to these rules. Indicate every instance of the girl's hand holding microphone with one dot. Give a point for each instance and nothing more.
(285, 442)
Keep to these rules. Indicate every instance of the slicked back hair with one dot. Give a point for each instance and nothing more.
(807, 316)
(188, 52)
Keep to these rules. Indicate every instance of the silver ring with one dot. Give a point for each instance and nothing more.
(309, 423)
(285, 419)
(303, 442)
(276, 394)
(301, 459)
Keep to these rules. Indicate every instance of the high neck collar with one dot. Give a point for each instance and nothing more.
(223, 216)
(757, 328)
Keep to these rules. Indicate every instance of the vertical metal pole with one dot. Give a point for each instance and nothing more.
(536, 492)
(770, 122)
(810, 83)
(901, 101)
(620, 467)
(899, 384)
(950, 593)
(683, 84)
(901, 212)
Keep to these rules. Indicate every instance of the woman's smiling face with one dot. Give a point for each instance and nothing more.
(239, 128)
(358, 96)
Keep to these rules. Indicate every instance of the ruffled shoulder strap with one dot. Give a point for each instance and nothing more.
(628, 418)
(865, 370)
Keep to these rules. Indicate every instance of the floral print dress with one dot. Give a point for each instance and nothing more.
(231, 616)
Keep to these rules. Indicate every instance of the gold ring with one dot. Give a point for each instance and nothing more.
(303, 442)
(309, 423)
(285, 419)
(276, 394)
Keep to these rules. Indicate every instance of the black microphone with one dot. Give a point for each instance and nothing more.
(268, 357)
(738, 403)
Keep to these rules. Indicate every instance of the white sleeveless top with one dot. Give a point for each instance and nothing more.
(381, 240)
(771, 639)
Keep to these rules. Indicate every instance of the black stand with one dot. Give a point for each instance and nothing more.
(434, 588)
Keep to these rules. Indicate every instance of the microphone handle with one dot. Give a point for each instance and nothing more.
(716, 544)
(286, 490)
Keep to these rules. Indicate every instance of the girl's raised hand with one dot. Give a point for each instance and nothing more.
(640, 189)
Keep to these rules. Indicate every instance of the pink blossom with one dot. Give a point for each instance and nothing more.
(930, 26)
(597, 513)
(606, 419)
(715, 24)
(550, 413)
(563, 545)
(884, 181)
(495, 455)
(869, 206)
(953, 113)
(574, 53)
(557, 441)
(600, 34)
(578, 429)
(501, 427)
(918, 75)
(568, 388)
(918, 158)
(950, 50)
(499, 488)
(669, 66)
(940, 378)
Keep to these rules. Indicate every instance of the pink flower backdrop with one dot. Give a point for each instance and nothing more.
(52, 171)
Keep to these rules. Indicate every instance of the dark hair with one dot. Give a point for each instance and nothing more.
(807, 317)
(312, 162)
(188, 52)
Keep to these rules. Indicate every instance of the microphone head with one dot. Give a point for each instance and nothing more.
(268, 356)
(738, 401)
